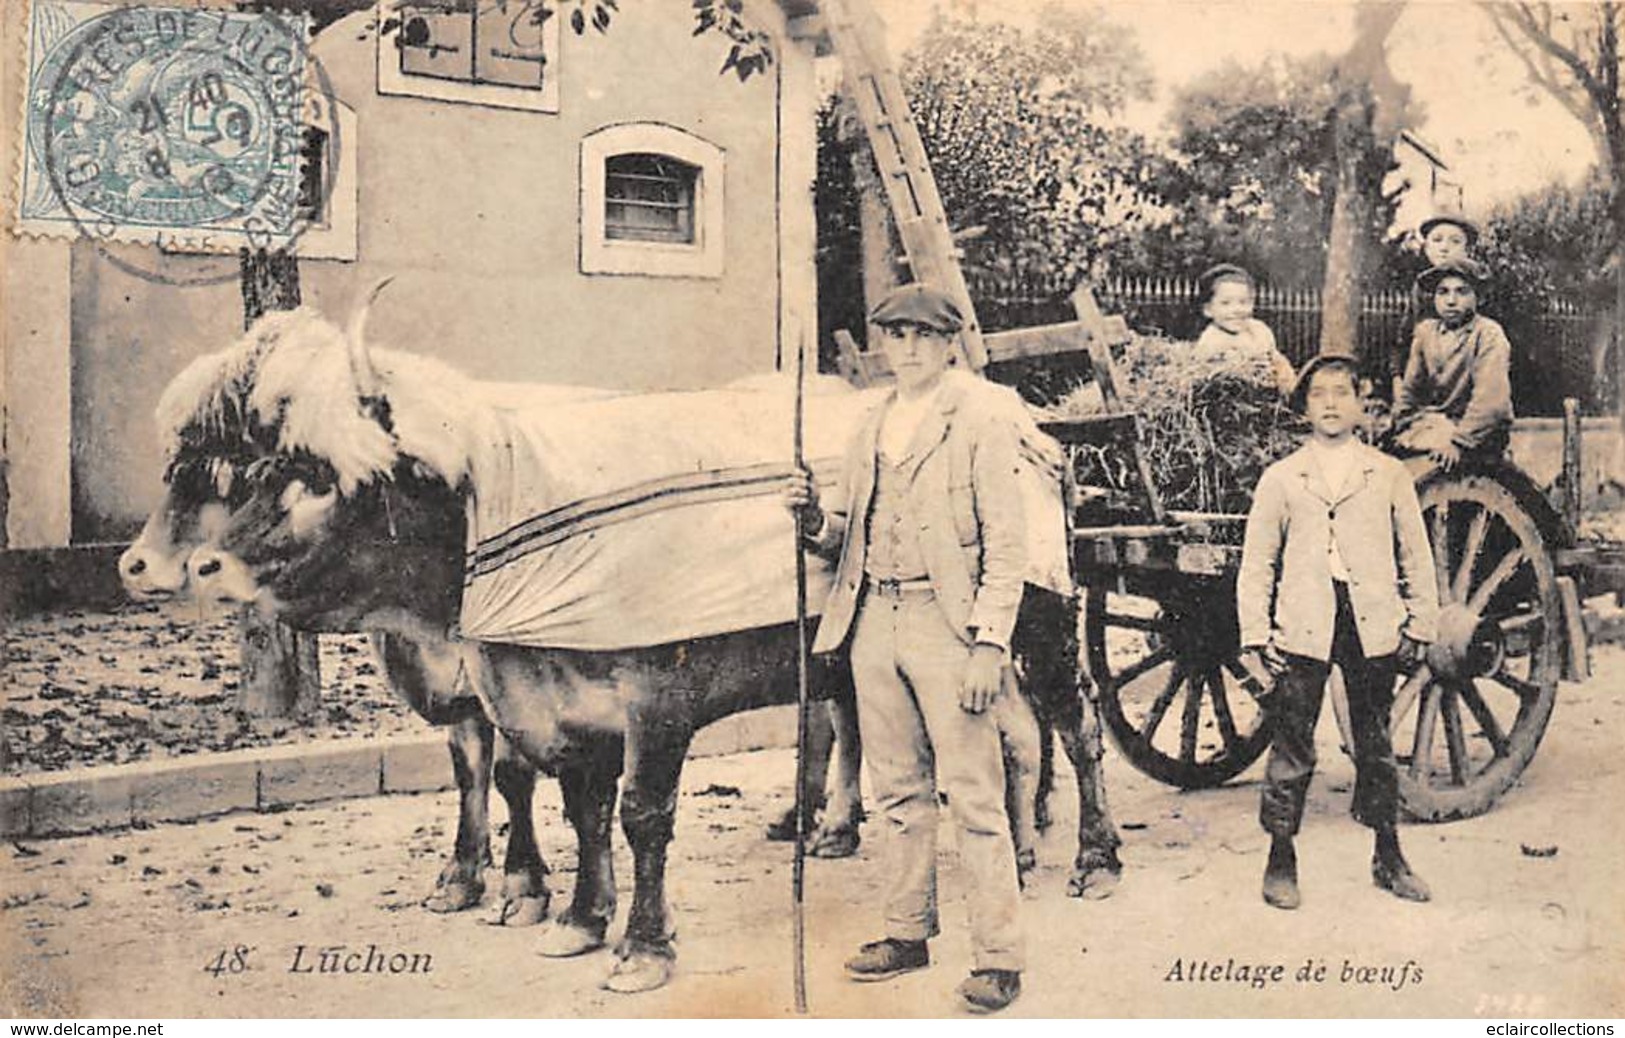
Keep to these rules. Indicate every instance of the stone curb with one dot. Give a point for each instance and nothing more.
(185, 789)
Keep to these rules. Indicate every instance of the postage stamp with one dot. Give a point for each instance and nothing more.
(180, 128)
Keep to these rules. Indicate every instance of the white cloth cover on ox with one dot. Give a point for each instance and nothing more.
(643, 520)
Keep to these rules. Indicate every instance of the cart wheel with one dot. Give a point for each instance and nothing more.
(1468, 720)
(1178, 656)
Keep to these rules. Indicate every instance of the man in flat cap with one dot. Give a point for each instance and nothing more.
(929, 530)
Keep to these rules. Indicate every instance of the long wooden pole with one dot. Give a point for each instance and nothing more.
(799, 867)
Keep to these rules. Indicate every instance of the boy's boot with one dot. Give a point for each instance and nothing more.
(1390, 871)
(1281, 875)
(988, 991)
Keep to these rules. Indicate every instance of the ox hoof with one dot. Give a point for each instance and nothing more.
(639, 971)
(835, 843)
(455, 895)
(1095, 879)
(525, 899)
(563, 940)
(523, 910)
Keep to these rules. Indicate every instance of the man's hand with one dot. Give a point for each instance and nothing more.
(1410, 653)
(801, 497)
(1447, 456)
(983, 678)
(1271, 659)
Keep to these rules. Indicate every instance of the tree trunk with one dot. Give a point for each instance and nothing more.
(1369, 100)
(281, 675)
(1346, 245)
(880, 254)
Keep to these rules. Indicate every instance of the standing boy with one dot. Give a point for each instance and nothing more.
(1335, 569)
(931, 537)
(1456, 398)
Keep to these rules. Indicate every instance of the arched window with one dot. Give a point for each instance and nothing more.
(651, 202)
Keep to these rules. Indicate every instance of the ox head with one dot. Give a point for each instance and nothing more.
(209, 435)
(356, 505)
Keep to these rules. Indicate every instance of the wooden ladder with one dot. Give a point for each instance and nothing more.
(859, 37)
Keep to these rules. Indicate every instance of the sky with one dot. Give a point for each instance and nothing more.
(1499, 139)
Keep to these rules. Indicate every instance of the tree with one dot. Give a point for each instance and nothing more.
(1572, 52)
(1369, 104)
(1019, 125)
(1555, 244)
(1254, 171)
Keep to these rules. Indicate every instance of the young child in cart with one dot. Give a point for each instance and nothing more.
(1335, 570)
(1455, 401)
(1228, 294)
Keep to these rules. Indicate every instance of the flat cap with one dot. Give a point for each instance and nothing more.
(1300, 392)
(1221, 272)
(1469, 270)
(1451, 218)
(918, 304)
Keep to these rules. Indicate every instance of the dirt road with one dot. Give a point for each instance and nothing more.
(131, 923)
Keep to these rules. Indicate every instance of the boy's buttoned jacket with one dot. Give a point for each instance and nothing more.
(963, 467)
(1284, 590)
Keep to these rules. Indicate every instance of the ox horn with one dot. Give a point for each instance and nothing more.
(366, 376)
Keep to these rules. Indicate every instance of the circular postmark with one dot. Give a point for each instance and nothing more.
(189, 130)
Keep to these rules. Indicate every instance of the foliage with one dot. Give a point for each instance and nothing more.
(1019, 127)
(1554, 242)
(750, 47)
(839, 257)
(1252, 174)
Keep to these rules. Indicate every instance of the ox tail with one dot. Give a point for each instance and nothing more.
(361, 367)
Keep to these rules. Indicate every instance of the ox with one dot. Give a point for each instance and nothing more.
(209, 445)
(356, 520)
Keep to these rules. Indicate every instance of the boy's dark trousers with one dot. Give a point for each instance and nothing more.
(1294, 709)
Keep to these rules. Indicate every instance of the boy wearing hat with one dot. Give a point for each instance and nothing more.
(930, 534)
(1455, 400)
(1228, 293)
(1448, 237)
(1335, 570)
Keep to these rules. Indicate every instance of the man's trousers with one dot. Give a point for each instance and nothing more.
(908, 665)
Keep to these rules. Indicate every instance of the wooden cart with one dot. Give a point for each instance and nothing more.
(1162, 644)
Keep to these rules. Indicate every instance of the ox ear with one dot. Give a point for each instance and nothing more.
(366, 376)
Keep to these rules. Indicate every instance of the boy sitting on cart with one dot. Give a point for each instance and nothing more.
(1455, 402)
(1335, 569)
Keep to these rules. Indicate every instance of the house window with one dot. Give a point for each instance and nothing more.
(491, 52)
(649, 198)
(651, 202)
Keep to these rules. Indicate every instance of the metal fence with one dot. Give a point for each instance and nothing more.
(1553, 344)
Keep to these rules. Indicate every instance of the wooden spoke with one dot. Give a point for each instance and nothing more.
(1192, 719)
(1469, 555)
(1422, 745)
(1441, 549)
(1489, 538)
(1405, 698)
(1154, 624)
(1134, 671)
(1455, 741)
(1485, 718)
(1221, 709)
(1526, 690)
(1518, 625)
(1153, 717)
(1500, 575)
